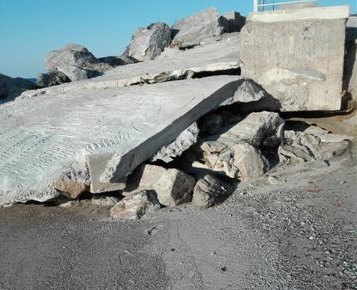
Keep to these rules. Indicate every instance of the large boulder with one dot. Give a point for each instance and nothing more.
(76, 62)
(148, 43)
(197, 28)
(13, 87)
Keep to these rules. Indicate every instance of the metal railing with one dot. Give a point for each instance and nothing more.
(263, 5)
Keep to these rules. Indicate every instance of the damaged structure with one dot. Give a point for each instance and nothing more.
(217, 99)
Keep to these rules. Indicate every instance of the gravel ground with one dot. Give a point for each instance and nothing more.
(294, 229)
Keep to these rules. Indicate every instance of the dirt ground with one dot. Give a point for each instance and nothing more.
(296, 229)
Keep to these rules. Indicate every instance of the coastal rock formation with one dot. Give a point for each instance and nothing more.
(12, 87)
(148, 43)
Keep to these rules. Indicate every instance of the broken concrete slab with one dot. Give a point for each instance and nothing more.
(174, 187)
(106, 133)
(135, 206)
(172, 64)
(297, 56)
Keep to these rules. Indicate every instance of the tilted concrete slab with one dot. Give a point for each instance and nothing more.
(297, 56)
(49, 136)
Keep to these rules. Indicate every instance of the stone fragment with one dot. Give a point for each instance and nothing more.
(134, 206)
(143, 178)
(51, 78)
(71, 189)
(174, 187)
(249, 161)
(311, 144)
(183, 142)
(197, 28)
(148, 43)
(115, 61)
(289, 52)
(105, 201)
(76, 62)
(208, 191)
(235, 152)
(11, 88)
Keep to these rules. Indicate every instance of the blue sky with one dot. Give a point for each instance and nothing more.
(31, 28)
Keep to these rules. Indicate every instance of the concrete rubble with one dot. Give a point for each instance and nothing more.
(286, 52)
(236, 152)
(128, 130)
(311, 144)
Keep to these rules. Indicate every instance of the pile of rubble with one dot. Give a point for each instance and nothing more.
(176, 124)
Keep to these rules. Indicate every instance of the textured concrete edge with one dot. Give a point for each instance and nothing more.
(315, 13)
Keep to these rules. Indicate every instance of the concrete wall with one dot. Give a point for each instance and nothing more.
(297, 56)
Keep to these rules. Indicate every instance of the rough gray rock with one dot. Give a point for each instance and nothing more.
(148, 43)
(197, 28)
(248, 162)
(311, 144)
(183, 142)
(105, 201)
(76, 62)
(208, 191)
(235, 153)
(51, 78)
(13, 87)
(174, 187)
(135, 206)
(115, 61)
(350, 65)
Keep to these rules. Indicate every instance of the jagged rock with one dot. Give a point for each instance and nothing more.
(134, 206)
(235, 152)
(183, 142)
(70, 188)
(13, 87)
(148, 43)
(196, 28)
(51, 78)
(174, 187)
(208, 191)
(76, 62)
(311, 144)
(248, 162)
(233, 22)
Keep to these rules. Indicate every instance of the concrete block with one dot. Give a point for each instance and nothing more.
(297, 56)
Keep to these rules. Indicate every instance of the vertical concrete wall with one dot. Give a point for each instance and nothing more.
(297, 56)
